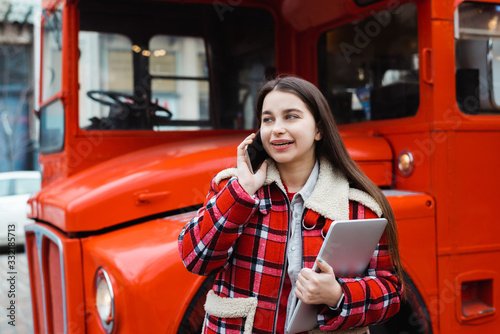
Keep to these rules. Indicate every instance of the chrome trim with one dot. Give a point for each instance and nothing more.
(99, 275)
(395, 192)
(41, 232)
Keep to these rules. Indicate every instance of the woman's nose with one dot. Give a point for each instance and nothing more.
(278, 128)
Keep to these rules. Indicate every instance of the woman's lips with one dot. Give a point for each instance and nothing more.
(281, 145)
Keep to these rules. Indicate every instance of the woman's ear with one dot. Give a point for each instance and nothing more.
(319, 132)
(318, 136)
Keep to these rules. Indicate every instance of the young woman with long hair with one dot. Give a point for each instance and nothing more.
(261, 233)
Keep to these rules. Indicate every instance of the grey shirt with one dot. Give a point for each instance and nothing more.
(294, 250)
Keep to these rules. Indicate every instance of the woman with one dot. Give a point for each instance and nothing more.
(260, 233)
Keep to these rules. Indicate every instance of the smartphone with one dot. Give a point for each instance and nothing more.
(255, 153)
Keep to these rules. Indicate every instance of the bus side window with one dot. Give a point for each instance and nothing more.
(468, 90)
(477, 52)
(369, 69)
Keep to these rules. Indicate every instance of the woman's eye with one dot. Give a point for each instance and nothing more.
(267, 119)
(290, 116)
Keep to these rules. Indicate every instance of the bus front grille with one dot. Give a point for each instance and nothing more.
(46, 266)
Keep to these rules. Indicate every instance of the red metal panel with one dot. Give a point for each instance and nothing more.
(415, 217)
(152, 287)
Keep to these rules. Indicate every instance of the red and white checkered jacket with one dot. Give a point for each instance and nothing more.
(243, 238)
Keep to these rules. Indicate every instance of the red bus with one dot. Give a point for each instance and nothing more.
(142, 102)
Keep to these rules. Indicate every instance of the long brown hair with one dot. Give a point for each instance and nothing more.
(333, 149)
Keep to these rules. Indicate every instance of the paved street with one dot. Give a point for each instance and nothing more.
(17, 293)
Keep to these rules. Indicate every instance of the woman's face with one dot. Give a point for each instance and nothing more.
(288, 129)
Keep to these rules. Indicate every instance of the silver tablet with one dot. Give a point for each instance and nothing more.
(348, 248)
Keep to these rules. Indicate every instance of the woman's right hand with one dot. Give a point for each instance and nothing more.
(249, 181)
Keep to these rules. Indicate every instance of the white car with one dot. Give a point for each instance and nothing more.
(15, 190)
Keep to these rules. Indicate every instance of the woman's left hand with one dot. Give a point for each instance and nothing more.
(318, 288)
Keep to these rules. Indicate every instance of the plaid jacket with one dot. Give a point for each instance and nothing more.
(242, 239)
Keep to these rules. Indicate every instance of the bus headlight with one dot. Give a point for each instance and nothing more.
(105, 300)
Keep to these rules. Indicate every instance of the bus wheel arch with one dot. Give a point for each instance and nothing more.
(193, 319)
(412, 318)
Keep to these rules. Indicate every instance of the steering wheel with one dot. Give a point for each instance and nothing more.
(114, 96)
(118, 99)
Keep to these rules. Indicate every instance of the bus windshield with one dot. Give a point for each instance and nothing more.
(151, 67)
